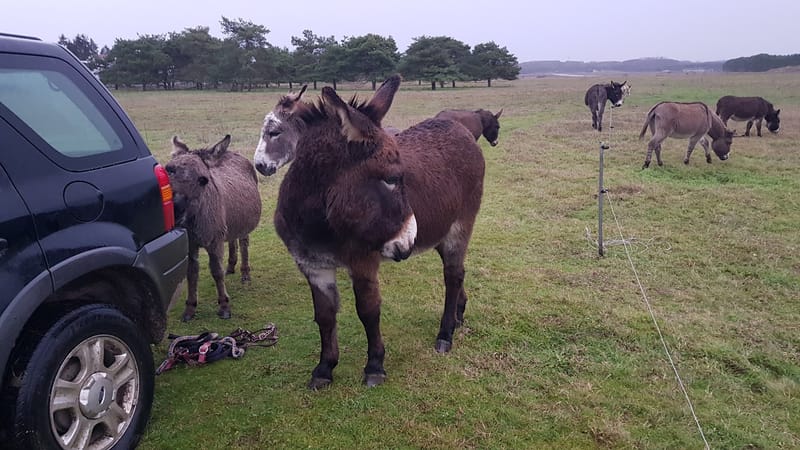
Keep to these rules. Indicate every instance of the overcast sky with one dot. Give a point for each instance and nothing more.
(695, 30)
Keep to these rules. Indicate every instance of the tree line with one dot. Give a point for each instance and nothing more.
(760, 63)
(245, 59)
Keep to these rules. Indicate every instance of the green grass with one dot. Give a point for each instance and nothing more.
(558, 349)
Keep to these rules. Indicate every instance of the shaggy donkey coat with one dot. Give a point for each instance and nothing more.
(217, 201)
(355, 194)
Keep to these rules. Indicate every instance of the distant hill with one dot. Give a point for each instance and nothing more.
(628, 66)
(761, 63)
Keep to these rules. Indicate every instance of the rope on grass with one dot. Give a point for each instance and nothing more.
(645, 245)
(593, 242)
(655, 323)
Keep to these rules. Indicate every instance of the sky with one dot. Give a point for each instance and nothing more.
(575, 30)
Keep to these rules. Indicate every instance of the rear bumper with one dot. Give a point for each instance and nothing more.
(165, 259)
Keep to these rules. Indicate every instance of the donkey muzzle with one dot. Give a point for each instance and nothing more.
(265, 169)
(399, 247)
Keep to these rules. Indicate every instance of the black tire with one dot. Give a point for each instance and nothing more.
(92, 351)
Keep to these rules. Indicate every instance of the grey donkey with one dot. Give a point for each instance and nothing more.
(217, 201)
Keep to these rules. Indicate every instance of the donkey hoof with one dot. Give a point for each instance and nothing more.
(374, 379)
(245, 278)
(187, 317)
(226, 314)
(443, 346)
(319, 383)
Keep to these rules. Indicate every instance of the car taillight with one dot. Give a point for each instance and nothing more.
(166, 197)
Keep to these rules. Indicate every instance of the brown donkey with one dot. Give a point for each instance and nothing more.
(356, 194)
(478, 122)
(686, 120)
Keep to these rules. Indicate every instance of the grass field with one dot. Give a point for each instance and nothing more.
(558, 348)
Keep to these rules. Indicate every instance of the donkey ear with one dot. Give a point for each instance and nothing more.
(356, 126)
(379, 105)
(178, 147)
(222, 146)
(497, 116)
(296, 97)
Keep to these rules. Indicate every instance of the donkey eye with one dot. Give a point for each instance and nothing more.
(391, 182)
(274, 133)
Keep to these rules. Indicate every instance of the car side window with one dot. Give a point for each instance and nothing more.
(62, 113)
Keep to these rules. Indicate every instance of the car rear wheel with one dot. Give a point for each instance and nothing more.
(88, 384)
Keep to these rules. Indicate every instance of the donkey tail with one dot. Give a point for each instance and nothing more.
(649, 119)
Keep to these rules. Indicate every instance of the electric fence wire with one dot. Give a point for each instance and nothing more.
(627, 244)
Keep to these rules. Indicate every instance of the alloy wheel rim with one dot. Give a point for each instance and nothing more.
(94, 395)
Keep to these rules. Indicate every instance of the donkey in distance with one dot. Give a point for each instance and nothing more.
(686, 120)
(478, 122)
(749, 109)
(597, 95)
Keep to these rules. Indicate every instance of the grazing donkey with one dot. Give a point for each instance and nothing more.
(749, 109)
(478, 122)
(686, 120)
(355, 194)
(597, 96)
(217, 201)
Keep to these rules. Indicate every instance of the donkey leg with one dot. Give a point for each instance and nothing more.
(216, 252)
(749, 126)
(232, 254)
(600, 109)
(758, 127)
(704, 143)
(453, 251)
(658, 155)
(326, 304)
(192, 273)
(594, 119)
(244, 245)
(364, 275)
(650, 147)
(692, 143)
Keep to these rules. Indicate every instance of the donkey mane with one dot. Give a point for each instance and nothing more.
(312, 113)
(286, 101)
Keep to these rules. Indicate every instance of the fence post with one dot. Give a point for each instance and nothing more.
(600, 192)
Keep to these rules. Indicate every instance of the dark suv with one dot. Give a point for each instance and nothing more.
(89, 256)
